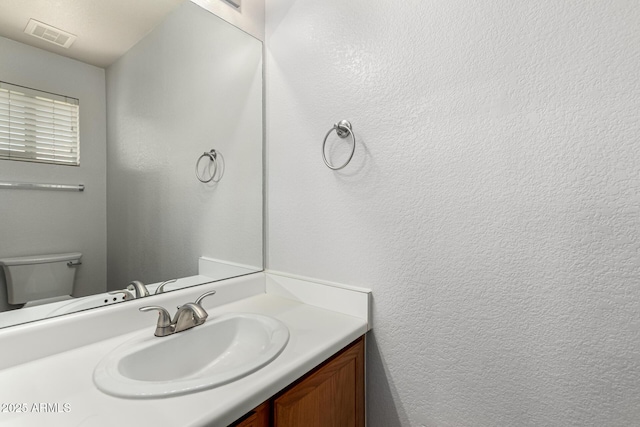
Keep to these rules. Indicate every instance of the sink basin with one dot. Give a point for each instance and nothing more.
(223, 349)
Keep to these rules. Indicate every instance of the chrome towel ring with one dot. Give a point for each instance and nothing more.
(343, 129)
(212, 155)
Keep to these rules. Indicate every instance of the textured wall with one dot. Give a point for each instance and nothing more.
(172, 97)
(46, 222)
(492, 204)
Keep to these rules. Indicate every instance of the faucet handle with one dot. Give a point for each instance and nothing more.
(164, 326)
(164, 316)
(160, 289)
(203, 296)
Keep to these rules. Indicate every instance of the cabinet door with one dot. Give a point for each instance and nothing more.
(332, 396)
(259, 417)
(250, 420)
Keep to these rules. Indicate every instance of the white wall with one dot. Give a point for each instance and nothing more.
(249, 18)
(45, 222)
(193, 84)
(492, 203)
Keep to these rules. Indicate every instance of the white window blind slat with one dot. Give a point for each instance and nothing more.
(21, 128)
(45, 134)
(38, 105)
(16, 117)
(38, 126)
(23, 110)
(34, 146)
(22, 115)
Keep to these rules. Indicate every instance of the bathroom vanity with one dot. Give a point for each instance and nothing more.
(49, 377)
(330, 395)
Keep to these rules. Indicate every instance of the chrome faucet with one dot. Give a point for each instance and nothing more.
(135, 289)
(165, 326)
(160, 289)
(139, 288)
(188, 316)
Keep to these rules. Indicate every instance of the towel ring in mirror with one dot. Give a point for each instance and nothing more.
(214, 157)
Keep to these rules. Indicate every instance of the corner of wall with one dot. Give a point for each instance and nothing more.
(249, 19)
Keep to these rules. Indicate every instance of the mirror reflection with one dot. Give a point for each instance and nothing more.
(146, 117)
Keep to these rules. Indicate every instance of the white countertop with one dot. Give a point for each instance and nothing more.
(65, 378)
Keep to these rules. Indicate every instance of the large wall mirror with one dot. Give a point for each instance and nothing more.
(160, 84)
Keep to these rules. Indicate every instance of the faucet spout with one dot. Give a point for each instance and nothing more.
(139, 288)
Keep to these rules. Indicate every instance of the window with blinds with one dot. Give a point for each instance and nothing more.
(38, 126)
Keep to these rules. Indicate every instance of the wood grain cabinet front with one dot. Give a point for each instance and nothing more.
(259, 417)
(332, 395)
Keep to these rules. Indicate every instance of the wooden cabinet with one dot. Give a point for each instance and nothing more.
(259, 417)
(332, 395)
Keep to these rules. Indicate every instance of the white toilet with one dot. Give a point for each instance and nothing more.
(33, 278)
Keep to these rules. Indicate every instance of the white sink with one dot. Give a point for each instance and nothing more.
(222, 350)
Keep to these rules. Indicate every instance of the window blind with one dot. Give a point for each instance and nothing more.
(38, 126)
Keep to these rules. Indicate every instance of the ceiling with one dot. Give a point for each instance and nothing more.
(105, 29)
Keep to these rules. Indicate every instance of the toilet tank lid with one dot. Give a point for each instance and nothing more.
(40, 259)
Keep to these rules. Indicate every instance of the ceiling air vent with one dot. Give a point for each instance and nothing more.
(236, 4)
(48, 33)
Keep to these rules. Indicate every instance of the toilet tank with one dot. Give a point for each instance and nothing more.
(31, 278)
